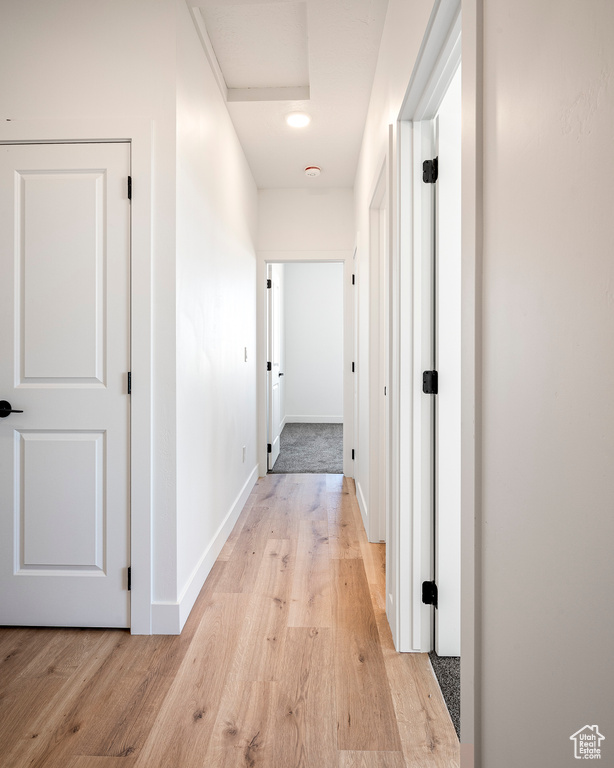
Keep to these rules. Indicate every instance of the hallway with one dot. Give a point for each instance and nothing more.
(285, 661)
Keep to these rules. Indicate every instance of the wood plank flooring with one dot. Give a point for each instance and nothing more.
(285, 662)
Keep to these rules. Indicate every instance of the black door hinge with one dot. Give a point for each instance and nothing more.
(129, 578)
(353, 279)
(129, 382)
(430, 171)
(353, 454)
(353, 368)
(429, 593)
(430, 383)
(269, 448)
(129, 187)
(269, 367)
(269, 283)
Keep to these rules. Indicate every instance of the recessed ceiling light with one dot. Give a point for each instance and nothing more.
(298, 119)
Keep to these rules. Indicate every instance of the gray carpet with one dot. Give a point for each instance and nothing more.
(447, 671)
(310, 449)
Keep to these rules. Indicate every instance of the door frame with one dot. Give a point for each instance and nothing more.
(284, 257)
(270, 332)
(138, 133)
(375, 517)
(437, 60)
(447, 289)
(436, 64)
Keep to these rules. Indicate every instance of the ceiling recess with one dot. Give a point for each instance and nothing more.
(261, 48)
(274, 57)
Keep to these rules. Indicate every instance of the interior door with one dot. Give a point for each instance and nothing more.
(64, 359)
(448, 365)
(274, 358)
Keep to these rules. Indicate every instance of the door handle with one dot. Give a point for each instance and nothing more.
(281, 374)
(6, 409)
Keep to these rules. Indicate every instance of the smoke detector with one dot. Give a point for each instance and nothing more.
(312, 170)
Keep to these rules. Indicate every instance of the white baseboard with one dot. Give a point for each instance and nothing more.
(169, 618)
(362, 506)
(313, 420)
(165, 619)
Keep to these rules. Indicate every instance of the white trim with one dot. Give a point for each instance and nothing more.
(431, 72)
(379, 262)
(422, 138)
(313, 420)
(168, 618)
(471, 333)
(139, 133)
(281, 93)
(205, 41)
(435, 66)
(404, 397)
(362, 505)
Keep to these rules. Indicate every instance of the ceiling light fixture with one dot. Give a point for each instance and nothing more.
(298, 119)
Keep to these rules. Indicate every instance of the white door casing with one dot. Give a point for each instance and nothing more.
(379, 358)
(434, 70)
(64, 488)
(448, 365)
(274, 357)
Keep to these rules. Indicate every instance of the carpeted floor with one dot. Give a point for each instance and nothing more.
(310, 448)
(447, 671)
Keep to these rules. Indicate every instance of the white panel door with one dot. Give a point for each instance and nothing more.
(448, 364)
(274, 357)
(64, 358)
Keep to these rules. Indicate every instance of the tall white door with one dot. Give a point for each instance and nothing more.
(448, 365)
(64, 359)
(274, 359)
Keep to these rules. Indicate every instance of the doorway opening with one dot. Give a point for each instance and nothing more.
(432, 333)
(305, 376)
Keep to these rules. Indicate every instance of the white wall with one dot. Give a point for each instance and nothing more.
(80, 61)
(547, 571)
(318, 219)
(85, 60)
(404, 30)
(544, 570)
(306, 225)
(216, 317)
(313, 324)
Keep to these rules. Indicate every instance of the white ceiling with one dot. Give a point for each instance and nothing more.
(272, 58)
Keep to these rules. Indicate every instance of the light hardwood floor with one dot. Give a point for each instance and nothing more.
(285, 662)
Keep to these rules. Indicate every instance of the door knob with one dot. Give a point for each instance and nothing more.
(5, 409)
